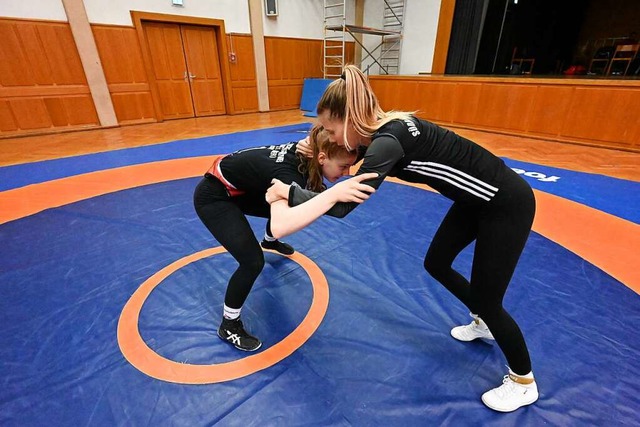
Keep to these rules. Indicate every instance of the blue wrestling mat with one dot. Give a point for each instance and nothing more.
(382, 354)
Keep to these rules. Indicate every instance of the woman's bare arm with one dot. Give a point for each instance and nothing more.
(286, 220)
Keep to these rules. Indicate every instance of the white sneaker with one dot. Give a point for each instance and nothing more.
(514, 393)
(472, 331)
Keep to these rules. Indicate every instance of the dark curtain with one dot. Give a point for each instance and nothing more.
(468, 19)
(492, 38)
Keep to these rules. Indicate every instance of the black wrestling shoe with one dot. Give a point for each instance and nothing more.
(233, 332)
(278, 246)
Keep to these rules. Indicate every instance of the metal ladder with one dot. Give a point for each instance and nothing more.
(333, 46)
(393, 20)
(336, 30)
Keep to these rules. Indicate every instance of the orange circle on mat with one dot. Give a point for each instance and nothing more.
(138, 353)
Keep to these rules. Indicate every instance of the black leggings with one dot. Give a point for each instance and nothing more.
(224, 217)
(500, 229)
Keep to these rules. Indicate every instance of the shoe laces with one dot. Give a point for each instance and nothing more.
(508, 387)
(236, 327)
(477, 327)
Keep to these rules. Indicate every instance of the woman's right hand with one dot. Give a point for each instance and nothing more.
(353, 190)
(304, 147)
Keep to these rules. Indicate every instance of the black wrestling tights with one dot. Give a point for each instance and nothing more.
(501, 229)
(228, 224)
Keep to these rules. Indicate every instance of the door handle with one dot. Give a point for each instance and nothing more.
(184, 76)
(192, 76)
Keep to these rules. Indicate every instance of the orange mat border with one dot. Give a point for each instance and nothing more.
(604, 240)
(146, 360)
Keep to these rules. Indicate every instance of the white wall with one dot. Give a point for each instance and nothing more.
(296, 18)
(373, 10)
(301, 19)
(33, 9)
(235, 13)
(419, 40)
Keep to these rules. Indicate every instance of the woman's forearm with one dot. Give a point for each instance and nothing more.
(286, 220)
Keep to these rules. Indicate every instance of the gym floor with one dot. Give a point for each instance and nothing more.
(112, 290)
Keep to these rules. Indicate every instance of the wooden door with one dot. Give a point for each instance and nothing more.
(186, 67)
(203, 65)
(170, 69)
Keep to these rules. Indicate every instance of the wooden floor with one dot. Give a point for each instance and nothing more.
(620, 164)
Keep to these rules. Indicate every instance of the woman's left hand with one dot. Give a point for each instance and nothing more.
(353, 190)
(278, 191)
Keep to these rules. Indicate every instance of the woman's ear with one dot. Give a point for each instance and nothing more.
(322, 157)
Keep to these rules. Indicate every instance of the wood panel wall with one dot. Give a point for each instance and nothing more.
(601, 113)
(42, 82)
(121, 58)
(289, 62)
(244, 88)
(43, 87)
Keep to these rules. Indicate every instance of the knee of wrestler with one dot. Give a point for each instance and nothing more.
(434, 266)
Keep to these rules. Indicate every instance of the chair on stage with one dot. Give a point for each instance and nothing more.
(622, 58)
(600, 62)
(520, 63)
